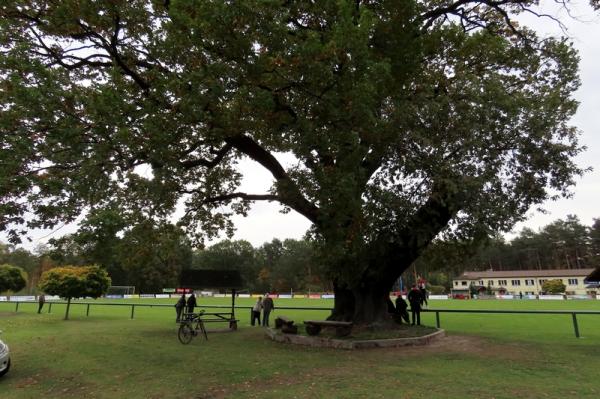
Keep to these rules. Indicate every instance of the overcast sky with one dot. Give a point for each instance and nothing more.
(265, 222)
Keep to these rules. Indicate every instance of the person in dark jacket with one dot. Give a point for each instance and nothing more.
(423, 295)
(415, 299)
(401, 308)
(191, 303)
(41, 302)
(179, 306)
(268, 306)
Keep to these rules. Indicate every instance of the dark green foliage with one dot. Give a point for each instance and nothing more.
(148, 255)
(152, 256)
(230, 255)
(402, 121)
(562, 244)
(12, 278)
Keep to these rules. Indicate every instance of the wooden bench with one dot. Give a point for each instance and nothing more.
(342, 328)
(287, 326)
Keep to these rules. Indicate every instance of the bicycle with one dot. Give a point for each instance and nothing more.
(189, 327)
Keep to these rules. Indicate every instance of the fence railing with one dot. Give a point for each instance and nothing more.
(437, 312)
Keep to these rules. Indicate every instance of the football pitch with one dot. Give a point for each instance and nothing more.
(109, 355)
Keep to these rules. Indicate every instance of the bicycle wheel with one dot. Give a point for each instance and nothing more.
(185, 333)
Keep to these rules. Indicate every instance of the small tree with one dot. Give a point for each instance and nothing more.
(436, 289)
(12, 278)
(472, 290)
(554, 287)
(75, 282)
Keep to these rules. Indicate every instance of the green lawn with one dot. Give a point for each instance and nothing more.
(108, 355)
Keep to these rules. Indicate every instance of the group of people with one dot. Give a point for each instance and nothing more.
(267, 306)
(417, 297)
(182, 303)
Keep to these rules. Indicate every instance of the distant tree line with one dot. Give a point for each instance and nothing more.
(562, 244)
(150, 255)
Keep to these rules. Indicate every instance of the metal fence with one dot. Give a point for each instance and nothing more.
(437, 312)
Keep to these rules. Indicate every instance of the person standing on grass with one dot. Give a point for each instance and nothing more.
(423, 294)
(191, 303)
(179, 306)
(268, 306)
(415, 299)
(41, 302)
(256, 311)
(401, 308)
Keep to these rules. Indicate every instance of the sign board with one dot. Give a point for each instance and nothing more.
(285, 296)
(505, 296)
(3, 299)
(438, 297)
(578, 297)
(551, 297)
(168, 290)
(23, 298)
(162, 296)
(327, 296)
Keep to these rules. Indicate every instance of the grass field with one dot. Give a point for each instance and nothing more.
(108, 355)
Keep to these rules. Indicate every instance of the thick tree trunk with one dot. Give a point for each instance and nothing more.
(367, 304)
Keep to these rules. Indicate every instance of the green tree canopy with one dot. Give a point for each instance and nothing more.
(554, 287)
(75, 282)
(12, 278)
(230, 255)
(152, 256)
(406, 119)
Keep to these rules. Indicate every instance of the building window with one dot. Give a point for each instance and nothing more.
(515, 282)
(480, 282)
(490, 283)
(456, 283)
(573, 281)
(463, 283)
(502, 282)
(542, 281)
(529, 282)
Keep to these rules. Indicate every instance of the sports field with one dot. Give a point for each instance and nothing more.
(108, 355)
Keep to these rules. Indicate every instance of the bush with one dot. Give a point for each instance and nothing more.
(436, 289)
(12, 278)
(554, 287)
(75, 282)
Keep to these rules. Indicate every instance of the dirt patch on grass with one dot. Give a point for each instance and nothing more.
(11, 314)
(478, 346)
(346, 364)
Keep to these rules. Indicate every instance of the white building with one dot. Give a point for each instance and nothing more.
(526, 282)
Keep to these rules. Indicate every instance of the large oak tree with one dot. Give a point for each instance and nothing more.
(406, 119)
